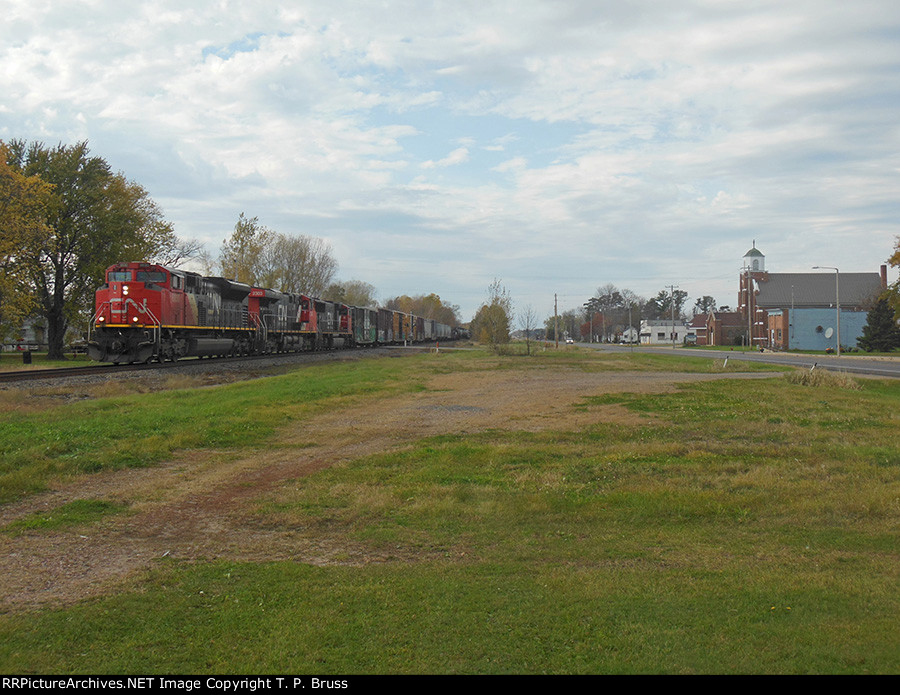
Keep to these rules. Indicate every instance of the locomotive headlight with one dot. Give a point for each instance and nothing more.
(101, 319)
(135, 319)
(124, 289)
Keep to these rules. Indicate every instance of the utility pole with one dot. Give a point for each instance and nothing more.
(555, 322)
(590, 310)
(791, 320)
(749, 290)
(673, 288)
(630, 327)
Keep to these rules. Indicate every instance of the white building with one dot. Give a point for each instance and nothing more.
(629, 335)
(663, 332)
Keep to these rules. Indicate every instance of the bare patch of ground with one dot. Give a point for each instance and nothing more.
(198, 507)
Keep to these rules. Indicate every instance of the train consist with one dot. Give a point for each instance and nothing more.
(150, 312)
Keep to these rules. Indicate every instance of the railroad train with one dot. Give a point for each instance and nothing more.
(146, 311)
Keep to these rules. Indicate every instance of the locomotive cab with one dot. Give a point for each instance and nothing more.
(127, 322)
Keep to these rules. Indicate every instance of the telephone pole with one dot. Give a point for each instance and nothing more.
(673, 288)
(555, 322)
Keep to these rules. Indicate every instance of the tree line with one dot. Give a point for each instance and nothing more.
(259, 256)
(611, 311)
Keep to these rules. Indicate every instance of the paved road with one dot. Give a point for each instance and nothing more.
(888, 367)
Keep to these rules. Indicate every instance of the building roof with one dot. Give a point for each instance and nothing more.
(728, 318)
(663, 322)
(783, 290)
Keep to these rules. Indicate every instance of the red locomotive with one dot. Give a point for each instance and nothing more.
(146, 311)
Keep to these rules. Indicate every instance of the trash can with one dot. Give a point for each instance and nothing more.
(26, 357)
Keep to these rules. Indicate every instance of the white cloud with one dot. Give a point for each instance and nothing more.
(591, 139)
(457, 156)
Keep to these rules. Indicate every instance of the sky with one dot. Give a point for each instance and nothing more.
(556, 146)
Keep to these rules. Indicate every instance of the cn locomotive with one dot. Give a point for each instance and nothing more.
(146, 311)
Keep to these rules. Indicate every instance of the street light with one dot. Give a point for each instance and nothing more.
(837, 300)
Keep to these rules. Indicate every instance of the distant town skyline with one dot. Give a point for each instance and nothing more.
(556, 146)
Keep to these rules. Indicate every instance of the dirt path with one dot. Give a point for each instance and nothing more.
(198, 507)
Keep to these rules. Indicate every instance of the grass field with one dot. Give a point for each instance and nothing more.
(13, 361)
(726, 526)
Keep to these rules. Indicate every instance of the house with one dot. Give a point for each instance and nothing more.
(31, 335)
(805, 311)
(663, 332)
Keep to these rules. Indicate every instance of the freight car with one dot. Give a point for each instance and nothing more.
(146, 311)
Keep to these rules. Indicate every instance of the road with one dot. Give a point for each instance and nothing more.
(887, 367)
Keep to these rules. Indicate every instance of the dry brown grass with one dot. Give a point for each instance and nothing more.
(823, 378)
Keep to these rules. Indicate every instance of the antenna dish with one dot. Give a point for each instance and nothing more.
(829, 332)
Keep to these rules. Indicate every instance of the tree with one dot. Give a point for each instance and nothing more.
(568, 323)
(704, 305)
(610, 310)
(608, 297)
(243, 256)
(893, 292)
(491, 323)
(93, 218)
(429, 306)
(352, 292)
(553, 328)
(259, 256)
(174, 251)
(660, 307)
(528, 323)
(304, 264)
(23, 200)
(881, 333)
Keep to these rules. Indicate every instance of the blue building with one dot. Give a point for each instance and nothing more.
(815, 329)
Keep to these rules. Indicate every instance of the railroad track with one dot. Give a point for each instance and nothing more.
(23, 375)
(66, 372)
(107, 369)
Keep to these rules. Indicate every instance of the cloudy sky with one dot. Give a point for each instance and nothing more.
(555, 145)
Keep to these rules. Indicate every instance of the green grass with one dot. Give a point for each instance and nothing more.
(596, 360)
(76, 513)
(11, 361)
(622, 617)
(740, 526)
(144, 428)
